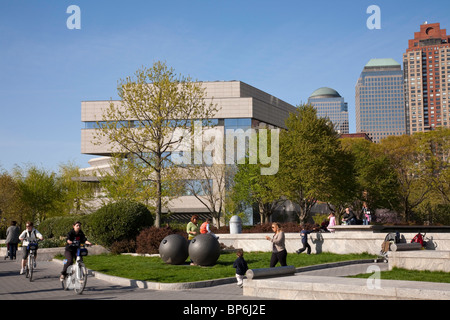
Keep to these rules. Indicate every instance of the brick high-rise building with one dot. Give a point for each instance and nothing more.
(426, 66)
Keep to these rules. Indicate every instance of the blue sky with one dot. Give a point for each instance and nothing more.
(286, 48)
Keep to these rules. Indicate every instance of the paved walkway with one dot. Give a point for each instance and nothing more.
(46, 286)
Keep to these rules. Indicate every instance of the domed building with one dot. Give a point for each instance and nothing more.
(330, 104)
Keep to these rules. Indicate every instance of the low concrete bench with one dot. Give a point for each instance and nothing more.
(270, 272)
(405, 246)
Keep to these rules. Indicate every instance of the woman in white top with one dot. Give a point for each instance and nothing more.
(279, 253)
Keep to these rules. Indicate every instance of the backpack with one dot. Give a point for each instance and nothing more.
(418, 238)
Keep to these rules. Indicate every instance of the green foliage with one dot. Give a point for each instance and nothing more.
(58, 227)
(39, 191)
(122, 220)
(313, 166)
(159, 101)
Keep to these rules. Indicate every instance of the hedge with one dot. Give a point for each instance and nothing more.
(122, 220)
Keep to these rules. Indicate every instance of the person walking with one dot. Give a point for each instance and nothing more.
(12, 239)
(279, 253)
(241, 267)
(304, 236)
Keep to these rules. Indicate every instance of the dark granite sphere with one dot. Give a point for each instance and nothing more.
(173, 249)
(204, 250)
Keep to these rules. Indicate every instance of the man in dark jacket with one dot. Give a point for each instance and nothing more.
(12, 239)
(349, 217)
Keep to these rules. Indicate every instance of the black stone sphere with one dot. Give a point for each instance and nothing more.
(204, 250)
(173, 249)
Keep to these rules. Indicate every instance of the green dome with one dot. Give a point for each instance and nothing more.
(325, 92)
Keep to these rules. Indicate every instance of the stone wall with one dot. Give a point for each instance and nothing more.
(431, 260)
(349, 239)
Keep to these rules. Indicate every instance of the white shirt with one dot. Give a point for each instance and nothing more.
(27, 236)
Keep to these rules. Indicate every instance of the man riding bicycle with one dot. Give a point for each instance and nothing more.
(74, 237)
(27, 236)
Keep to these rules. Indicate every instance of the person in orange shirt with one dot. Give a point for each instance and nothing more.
(204, 228)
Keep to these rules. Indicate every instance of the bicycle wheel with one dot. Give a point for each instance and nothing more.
(30, 267)
(80, 278)
(69, 279)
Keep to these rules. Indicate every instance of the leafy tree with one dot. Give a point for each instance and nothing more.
(153, 103)
(76, 194)
(253, 188)
(11, 207)
(207, 184)
(375, 177)
(38, 191)
(413, 173)
(309, 156)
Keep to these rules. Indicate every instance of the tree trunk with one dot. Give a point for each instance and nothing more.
(158, 199)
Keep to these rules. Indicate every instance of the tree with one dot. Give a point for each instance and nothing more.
(207, 184)
(252, 188)
(76, 194)
(309, 154)
(154, 103)
(11, 207)
(38, 191)
(413, 173)
(375, 178)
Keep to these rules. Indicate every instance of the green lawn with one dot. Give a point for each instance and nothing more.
(154, 269)
(411, 275)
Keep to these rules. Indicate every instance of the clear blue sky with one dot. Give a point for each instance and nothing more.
(286, 48)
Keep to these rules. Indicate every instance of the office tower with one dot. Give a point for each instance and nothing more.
(426, 66)
(379, 100)
(331, 105)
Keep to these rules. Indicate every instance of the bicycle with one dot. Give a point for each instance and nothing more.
(77, 273)
(31, 261)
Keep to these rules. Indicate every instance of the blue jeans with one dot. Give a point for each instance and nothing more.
(12, 249)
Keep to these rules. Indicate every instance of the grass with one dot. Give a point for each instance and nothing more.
(155, 270)
(410, 275)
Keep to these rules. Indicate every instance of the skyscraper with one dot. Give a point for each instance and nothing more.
(426, 66)
(379, 100)
(329, 104)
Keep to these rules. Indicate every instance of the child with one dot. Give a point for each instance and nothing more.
(304, 235)
(241, 267)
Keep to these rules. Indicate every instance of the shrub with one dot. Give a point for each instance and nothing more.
(119, 221)
(149, 239)
(123, 246)
(57, 227)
